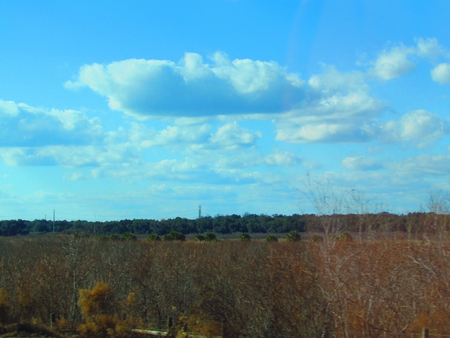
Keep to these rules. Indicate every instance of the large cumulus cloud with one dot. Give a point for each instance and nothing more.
(192, 87)
(331, 107)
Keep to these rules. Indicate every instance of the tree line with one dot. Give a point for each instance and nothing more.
(418, 222)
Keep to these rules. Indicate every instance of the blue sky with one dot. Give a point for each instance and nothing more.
(147, 109)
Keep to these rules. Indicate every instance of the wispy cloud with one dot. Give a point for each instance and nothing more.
(24, 126)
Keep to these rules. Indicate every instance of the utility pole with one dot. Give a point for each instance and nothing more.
(53, 220)
(199, 211)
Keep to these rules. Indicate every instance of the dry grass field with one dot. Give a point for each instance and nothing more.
(362, 285)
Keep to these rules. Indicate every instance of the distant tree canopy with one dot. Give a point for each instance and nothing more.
(226, 224)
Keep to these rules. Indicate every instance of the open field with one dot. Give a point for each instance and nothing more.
(378, 285)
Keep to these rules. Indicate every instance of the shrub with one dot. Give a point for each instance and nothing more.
(114, 237)
(244, 237)
(81, 235)
(200, 238)
(211, 237)
(153, 237)
(128, 236)
(316, 239)
(271, 238)
(105, 327)
(174, 236)
(102, 237)
(293, 236)
(96, 301)
(345, 237)
(97, 307)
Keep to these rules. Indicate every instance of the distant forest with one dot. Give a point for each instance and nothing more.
(418, 222)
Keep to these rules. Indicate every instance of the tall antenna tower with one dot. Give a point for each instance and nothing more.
(199, 211)
(53, 220)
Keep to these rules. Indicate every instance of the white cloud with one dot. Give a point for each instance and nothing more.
(332, 82)
(340, 109)
(361, 163)
(396, 61)
(165, 170)
(334, 133)
(282, 158)
(276, 158)
(74, 176)
(423, 164)
(429, 48)
(231, 136)
(174, 135)
(393, 63)
(418, 126)
(192, 87)
(249, 177)
(441, 73)
(24, 126)
(8, 108)
(70, 156)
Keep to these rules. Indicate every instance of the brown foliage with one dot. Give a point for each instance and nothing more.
(98, 308)
(5, 305)
(97, 301)
(330, 288)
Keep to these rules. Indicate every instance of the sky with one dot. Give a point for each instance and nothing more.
(149, 109)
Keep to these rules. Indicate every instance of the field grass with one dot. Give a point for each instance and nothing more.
(369, 285)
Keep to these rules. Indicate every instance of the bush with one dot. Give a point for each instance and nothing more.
(316, 239)
(244, 237)
(96, 301)
(211, 237)
(174, 236)
(293, 236)
(271, 238)
(200, 238)
(97, 307)
(81, 235)
(153, 237)
(114, 237)
(128, 236)
(102, 237)
(345, 237)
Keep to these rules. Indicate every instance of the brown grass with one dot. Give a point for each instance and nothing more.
(371, 286)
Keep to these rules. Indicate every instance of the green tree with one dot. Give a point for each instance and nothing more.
(200, 238)
(293, 236)
(174, 236)
(153, 237)
(128, 236)
(271, 238)
(244, 237)
(210, 237)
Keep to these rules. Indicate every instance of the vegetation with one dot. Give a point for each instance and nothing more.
(211, 237)
(153, 237)
(200, 238)
(245, 237)
(174, 236)
(419, 222)
(369, 287)
(293, 236)
(357, 276)
(219, 224)
(271, 238)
